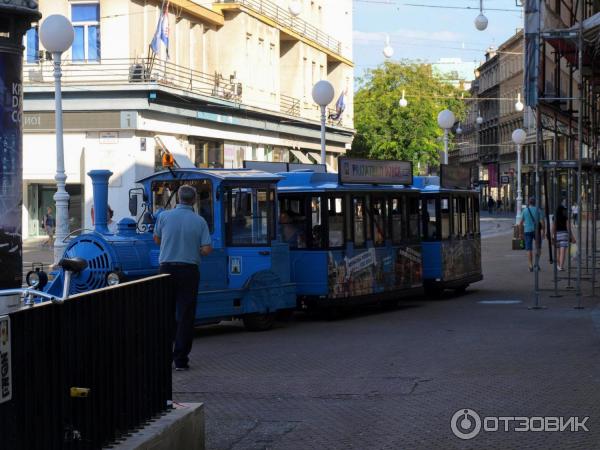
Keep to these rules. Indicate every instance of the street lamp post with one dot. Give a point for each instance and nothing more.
(518, 137)
(446, 121)
(56, 34)
(322, 94)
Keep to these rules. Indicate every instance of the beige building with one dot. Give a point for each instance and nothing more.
(233, 84)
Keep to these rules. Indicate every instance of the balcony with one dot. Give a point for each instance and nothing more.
(287, 23)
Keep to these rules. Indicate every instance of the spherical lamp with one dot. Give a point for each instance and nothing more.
(388, 50)
(519, 136)
(459, 129)
(322, 93)
(481, 22)
(479, 119)
(519, 105)
(403, 102)
(446, 119)
(56, 33)
(295, 8)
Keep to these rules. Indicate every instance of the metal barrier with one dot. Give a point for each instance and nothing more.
(90, 370)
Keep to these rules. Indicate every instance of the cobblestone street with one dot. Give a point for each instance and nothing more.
(393, 380)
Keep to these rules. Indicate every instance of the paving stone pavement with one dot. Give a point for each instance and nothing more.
(393, 380)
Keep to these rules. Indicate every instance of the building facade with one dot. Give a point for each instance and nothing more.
(233, 82)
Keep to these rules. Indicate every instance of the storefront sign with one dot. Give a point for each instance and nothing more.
(455, 177)
(5, 361)
(371, 171)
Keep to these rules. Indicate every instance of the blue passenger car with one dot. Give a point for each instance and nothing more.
(349, 242)
(246, 276)
(451, 239)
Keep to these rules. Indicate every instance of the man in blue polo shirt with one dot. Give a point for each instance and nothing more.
(183, 237)
(529, 217)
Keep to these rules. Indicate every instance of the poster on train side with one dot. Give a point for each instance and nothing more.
(374, 271)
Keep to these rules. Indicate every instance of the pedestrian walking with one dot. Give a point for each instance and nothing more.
(491, 204)
(575, 213)
(561, 233)
(49, 224)
(530, 215)
(183, 237)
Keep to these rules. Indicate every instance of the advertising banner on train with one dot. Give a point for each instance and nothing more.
(374, 171)
(11, 170)
(461, 258)
(374, 271)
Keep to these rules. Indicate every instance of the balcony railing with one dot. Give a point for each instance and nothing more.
(289, 105)
(283, 18)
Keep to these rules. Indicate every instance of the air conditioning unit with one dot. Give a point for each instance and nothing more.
(136, 73)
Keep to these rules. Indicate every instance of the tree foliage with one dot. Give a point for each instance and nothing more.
(384, 130)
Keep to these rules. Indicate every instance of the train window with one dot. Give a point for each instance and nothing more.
(445, 217)
(249, 216)
(335, 213)
(380, 214)
(316, 238)
(413, 219)
(455, 218)
(359, 220)
(470, 224)
(397, 214)
(430, 219)
(462, 208)
(293, 221)
(164, 196)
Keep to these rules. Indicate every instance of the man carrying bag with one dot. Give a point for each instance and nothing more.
(529, 217)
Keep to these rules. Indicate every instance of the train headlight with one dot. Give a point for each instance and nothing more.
(113, 278)
(36, 278)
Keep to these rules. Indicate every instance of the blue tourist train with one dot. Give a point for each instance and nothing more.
(292, 236)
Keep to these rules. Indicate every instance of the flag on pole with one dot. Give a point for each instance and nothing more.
(340, 107)
(162, 32)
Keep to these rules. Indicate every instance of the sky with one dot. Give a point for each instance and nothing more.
(428, 33)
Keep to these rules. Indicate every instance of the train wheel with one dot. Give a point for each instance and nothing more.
(433, 292)
(461, 289)
(259, 322)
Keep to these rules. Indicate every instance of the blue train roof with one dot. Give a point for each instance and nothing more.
(432, 185)
(309, 181)
(216, 174)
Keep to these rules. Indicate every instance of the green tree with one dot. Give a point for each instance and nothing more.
(384, 130)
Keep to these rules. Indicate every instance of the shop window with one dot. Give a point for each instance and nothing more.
(208, 153)
(359, 221)
(445, 217)
(398, 222)
(86, 24)
(335, 218)
(380, 214)
(293, 221)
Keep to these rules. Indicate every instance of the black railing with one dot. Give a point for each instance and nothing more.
(88, 371)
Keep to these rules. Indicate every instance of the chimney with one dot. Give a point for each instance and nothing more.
(100, 185)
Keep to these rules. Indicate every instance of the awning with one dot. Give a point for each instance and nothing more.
(301, 156)
(317, 157)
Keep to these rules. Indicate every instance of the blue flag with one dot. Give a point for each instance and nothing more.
(162, 32)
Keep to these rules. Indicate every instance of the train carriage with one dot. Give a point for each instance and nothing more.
(351, 241)
(451, 238)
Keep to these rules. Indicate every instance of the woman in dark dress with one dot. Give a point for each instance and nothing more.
(561, 232)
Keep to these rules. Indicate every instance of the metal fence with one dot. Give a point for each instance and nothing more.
(113, 344)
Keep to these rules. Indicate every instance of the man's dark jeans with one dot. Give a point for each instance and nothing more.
(185, 279)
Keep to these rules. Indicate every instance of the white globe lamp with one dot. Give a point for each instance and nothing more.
(519, 136)
(479, 120)
(295, 8)
(322, 94)
(459, 130)
(403, 102)
(519, 104)
(446, 121)
(56, 34)
(481, 22)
